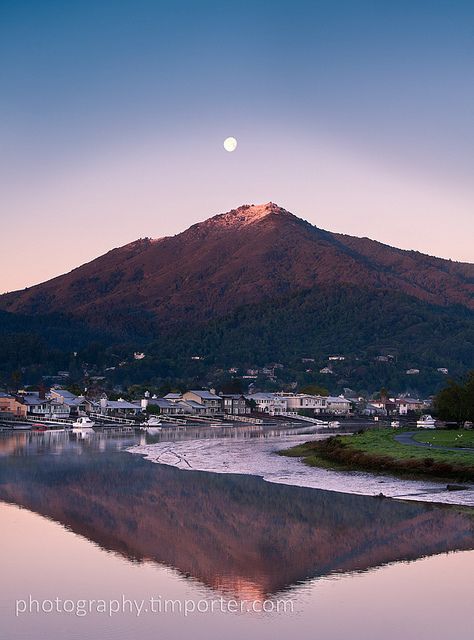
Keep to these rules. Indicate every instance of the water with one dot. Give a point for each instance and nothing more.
(88, 520)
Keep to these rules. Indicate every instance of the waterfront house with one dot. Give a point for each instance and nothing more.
(208, 399)
(297, 401)
(165, 407)
(173, 397)
(119, 408)
(235, 404)
(12, 406)
(37, 406)
(406, 405)
(338, 405)
(271, 403)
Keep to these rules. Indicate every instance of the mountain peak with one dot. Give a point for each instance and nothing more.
(248, 214)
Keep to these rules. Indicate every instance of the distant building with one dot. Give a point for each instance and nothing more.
(326, 370)
(405, 405)
(271, 403)
(412, 372)
(119, 408)
(210, 401)
(235, 404)
(338, 405)
(297, 401)
(443, 370)
(13, 406)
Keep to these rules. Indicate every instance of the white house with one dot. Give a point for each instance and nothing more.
(409, 404)
(338, 405)
(271, 403)
(297, 401)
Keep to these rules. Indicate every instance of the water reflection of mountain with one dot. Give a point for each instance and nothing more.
(233, 533)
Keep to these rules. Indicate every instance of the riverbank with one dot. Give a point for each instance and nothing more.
(380, 451)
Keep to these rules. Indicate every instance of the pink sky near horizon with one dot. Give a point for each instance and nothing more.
(107, 196)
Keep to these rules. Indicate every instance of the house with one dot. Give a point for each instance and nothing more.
(270, 403)
(173, 397)
(165, 407)
(192, 407)
(68, 404)
(36, 406)
(11, 405)
(337, 358)
(405, 405)
(412, 372)
(207, 399)
(297, 401)
(326, 370)
(443, 370)
(119, 408)
(338, 405)
(235, 404)
(373, 409)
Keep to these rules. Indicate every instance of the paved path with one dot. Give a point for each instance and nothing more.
(407, 438)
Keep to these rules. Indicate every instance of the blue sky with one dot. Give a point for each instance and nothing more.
(358, 116)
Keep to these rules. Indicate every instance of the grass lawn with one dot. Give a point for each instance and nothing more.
(456, 438)
(377, 450)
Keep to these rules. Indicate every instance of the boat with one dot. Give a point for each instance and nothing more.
(333, 424)
(152, 425)
(83, 425)
(426, 422)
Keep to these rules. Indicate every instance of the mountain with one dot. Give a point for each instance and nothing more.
(246, 256)
(258, 284)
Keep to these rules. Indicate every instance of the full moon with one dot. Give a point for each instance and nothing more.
(230, 144)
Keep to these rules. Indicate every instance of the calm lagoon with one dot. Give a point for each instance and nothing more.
(85, 521)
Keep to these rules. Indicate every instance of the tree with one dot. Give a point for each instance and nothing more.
(456, 401)
(314, 390)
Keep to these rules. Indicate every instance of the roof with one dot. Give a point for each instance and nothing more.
(161, 402)
(121, 404)
(233, 396)
(33, 400)
(205, 395)
(191, 403)
(67, 395)
(173, 396)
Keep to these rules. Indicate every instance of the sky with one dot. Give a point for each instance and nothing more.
(355, 115)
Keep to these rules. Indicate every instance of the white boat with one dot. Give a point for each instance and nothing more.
(152, 425)
(426, 422)
(21, 426)
(83, 425)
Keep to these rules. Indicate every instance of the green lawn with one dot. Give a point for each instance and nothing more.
(377, 450)
(457, 438)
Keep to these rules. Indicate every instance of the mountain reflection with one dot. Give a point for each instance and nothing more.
(237, 534)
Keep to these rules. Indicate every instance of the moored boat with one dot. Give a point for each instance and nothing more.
(426, 422)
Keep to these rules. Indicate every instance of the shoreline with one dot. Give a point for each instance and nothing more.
(265, 462)
(385, 452)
